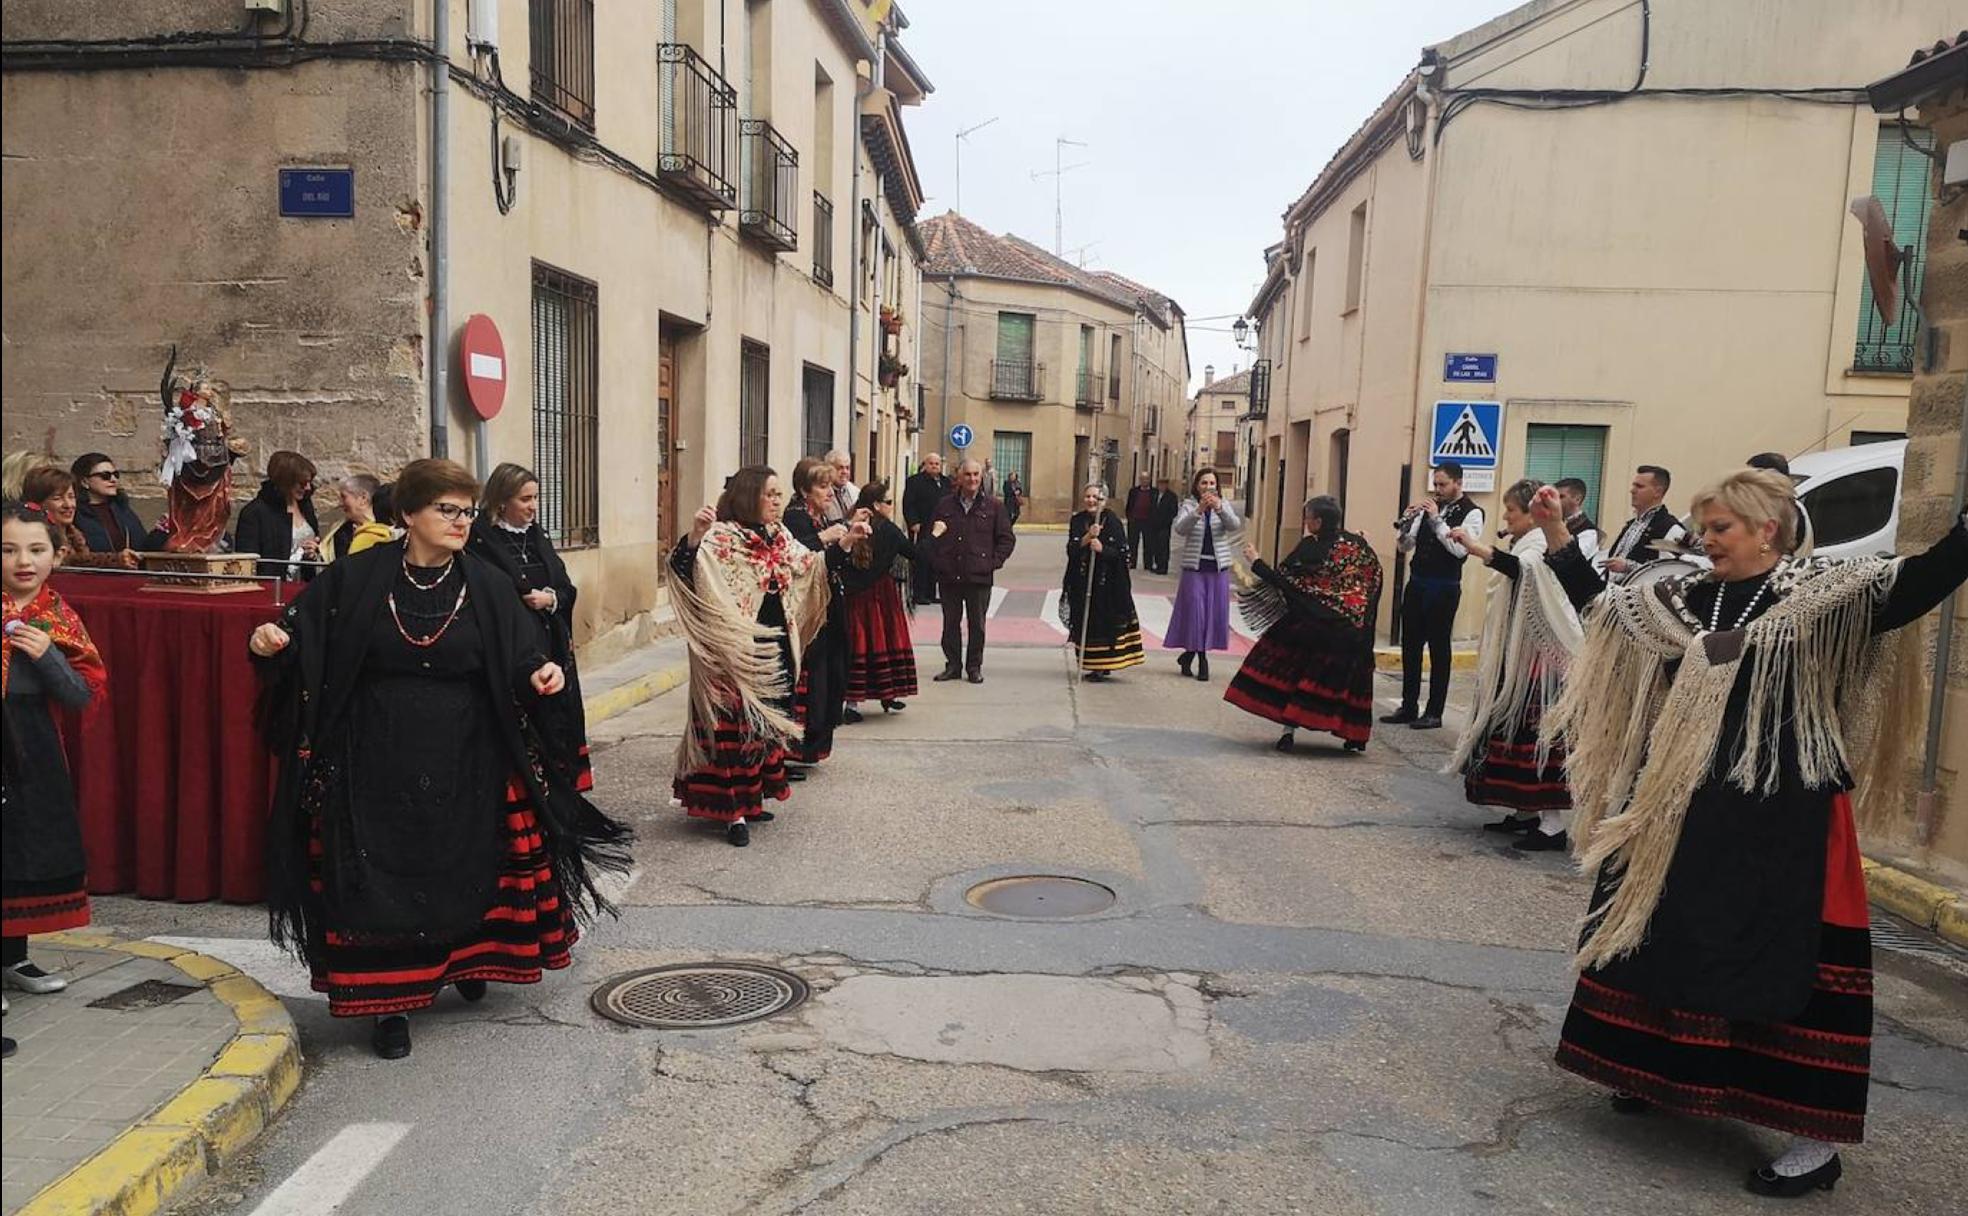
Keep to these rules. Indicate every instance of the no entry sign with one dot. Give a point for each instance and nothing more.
(482, 359)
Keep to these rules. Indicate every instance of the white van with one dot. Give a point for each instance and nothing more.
(1853, 497)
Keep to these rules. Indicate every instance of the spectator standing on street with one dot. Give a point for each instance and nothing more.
(1715, 758)
(1100, 618)
(1530, 633)
(1208, 525)
(1433, 593)
(507, 534)
(970, 541)
(103, 513)
(280, 524)
(1161, 525)
(844, 490)
(1140, 518)
(416, 839)
(881, 661)
(921, 495)
(1014, 496)
(46, 661)
(1313, 665)
(357, 495)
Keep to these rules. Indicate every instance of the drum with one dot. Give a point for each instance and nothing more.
(1661, 568)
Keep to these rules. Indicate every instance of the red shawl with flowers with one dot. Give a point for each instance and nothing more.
(1338, 579)
(50, 613)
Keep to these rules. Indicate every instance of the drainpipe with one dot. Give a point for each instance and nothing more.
(1927, 805)
(1430, 124)
(440, 238)
(861, 90)
(949, 304)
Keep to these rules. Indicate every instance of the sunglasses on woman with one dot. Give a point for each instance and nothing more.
(107, 474)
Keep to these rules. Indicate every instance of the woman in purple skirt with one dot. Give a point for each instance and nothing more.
(1208, 526)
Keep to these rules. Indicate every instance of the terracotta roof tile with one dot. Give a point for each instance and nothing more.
(958, 246)
(1939, 48)
(1229, 386)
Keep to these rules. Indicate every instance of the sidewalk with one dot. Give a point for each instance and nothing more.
(153, 1068)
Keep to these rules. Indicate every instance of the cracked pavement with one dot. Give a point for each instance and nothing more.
(1321, 990)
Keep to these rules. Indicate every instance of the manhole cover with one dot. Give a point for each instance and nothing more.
(147, 995)
(1041, 896)
(696, 996)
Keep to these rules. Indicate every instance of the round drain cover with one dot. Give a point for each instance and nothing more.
(697, 996)
(1041, 896)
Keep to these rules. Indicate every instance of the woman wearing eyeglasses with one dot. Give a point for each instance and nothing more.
(280, 524)
(418, 837)
(103, 512)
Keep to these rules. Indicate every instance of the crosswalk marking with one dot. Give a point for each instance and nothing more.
(326, 1180)
(1029, 616)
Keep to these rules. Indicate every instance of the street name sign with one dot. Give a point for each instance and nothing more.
(323, 193)
(1470, 369)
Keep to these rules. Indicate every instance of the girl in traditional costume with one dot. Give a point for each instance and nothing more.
(46, 660)
(1096, 598)
(418, 837)
(507, 534)
(1716, 726)
(1530, 632)
(881, 661)
(749, 598)
(820, 692)
(1313, 665)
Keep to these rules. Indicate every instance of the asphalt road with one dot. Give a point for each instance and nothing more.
(1321, 990)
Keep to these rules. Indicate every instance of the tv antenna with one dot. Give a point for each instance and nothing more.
(962, 135)
(1058, 174)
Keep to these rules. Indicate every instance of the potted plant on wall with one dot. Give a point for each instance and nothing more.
(891, 320)
(891, 370)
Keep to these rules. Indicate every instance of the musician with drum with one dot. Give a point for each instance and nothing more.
(1652, 524)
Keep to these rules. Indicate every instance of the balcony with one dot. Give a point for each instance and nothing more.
(771, 176)
(1089, 394)
(1017, 380)
(823, 239)
(699, 130)
(1151, 420)
(1260, 390)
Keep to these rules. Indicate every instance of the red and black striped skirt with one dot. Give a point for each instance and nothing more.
(741, 772)
(1506, 772)
(28, 908)
(1308, 675)
(529, 928)
(881, 661)
(1807, 1076)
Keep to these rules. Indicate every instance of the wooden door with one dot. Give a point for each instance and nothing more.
(666, 470)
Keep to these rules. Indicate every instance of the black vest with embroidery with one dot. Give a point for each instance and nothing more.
(1432, 558)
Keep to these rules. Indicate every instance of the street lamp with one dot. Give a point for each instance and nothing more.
(1241, 331)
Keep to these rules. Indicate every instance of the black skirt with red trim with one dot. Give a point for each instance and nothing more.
(881, 661)
(1309, 674)
(528, 929)
(44, 906)
(819, 696)
(742, 771)
(1807, 1074)
(1506, 772)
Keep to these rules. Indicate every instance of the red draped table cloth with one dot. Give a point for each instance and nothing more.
(171, 780)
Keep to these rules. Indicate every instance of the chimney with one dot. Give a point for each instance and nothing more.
(1209, 374)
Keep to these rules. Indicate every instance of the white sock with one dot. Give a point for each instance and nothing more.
(1551, 823)
(1803, 1156)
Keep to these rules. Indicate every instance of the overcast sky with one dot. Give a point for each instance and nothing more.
(1204, 120)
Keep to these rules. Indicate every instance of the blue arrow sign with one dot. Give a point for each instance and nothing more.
(962, 436)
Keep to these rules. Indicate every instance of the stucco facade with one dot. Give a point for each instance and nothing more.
(1668, 279)
(684, 305)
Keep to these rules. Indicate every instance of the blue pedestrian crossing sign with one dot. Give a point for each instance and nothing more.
(962, 436)
(1467, 432)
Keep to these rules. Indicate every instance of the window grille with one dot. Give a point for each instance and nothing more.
(563, 58)
(754, 404)
(566, 417)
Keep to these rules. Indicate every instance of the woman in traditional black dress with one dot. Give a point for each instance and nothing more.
(418, 836)
(749, 598)
(1313, 665)
(1726, 967)
(881, 660)
(507, 533)
(820, 697)
(1102, 623)
(1530, 633)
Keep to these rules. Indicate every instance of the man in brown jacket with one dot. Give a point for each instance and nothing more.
(970, 539)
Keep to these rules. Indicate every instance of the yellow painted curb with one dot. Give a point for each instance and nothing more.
(208, 1122)
(1388, 658)
(625, 697)
(1929, 905)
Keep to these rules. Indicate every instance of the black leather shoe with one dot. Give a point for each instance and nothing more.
(738, 835)
(1513, 823)
(1202, 667)
(1354, 745)
(795, 774)
(1098, 677)
(850, 716)
(1426, 722)
(975, 677)
(946, 675)
(1183, 664)
(762, 817)
(1630, 1104)
(1399, 717)
(894, 707)
(1766, 1181)
(7, 1048)
(391, 1037)
(1538, 842)
(1286, 742)
(472, 990)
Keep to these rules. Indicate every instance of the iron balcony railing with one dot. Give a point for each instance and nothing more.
(771, 177)
(823, 240)
(1088, 395)
(563, 58)
(1114, 385)
(698, 159)
(1151, 420)
(1017, 380)
(1260, 389)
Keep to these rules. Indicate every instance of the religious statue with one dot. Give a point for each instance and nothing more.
(199, 449)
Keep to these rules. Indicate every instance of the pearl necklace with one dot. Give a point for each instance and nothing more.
(1715, 612)
(425, 642)
(443, 573)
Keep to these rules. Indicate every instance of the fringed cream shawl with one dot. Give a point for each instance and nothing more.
(734, 660)
(1815, 672)
(1530, 633)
